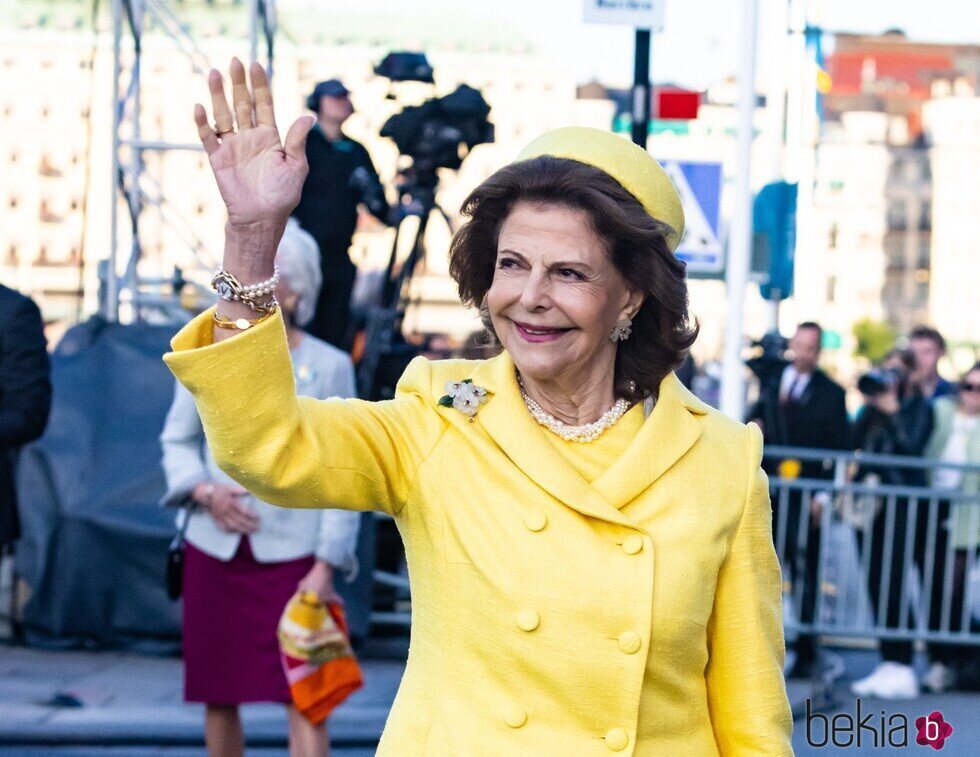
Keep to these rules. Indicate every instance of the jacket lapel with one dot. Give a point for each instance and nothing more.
(670, 431)
(508, 422)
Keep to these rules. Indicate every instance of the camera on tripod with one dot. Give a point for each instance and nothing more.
(439, 133)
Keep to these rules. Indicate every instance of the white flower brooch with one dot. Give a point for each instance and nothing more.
(465, 396)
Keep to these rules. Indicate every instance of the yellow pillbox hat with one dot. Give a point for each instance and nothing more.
(627, 163)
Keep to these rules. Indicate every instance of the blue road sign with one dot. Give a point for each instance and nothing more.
(699, 185)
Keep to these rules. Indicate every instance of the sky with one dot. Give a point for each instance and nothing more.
(699, 43)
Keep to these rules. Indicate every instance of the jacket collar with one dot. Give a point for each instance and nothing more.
(666, 435)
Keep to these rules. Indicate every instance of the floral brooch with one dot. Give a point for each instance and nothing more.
(465, 396)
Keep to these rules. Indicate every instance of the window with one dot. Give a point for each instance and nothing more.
(897, 215)
(47, 167)
(46, 214)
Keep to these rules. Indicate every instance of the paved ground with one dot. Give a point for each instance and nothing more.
(102, 699)
(82, 704)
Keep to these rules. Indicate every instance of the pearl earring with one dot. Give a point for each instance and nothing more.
(622, 330)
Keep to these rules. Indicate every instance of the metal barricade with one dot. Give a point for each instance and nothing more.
(864, 557)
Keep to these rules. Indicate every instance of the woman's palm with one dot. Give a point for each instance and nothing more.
(255, 176)
(260, 178)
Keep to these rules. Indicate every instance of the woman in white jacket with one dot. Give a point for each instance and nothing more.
(245, 558)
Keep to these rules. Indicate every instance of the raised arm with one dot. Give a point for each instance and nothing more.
(287, 450)
(260, 177)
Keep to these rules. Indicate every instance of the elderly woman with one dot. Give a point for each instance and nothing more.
(245, 558)
(586, 578)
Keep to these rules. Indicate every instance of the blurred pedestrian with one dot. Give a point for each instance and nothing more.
(895, 420)
(341, 177)
(244, 559)
(956, 440)
(808, 411)
(25, 397)
(929, 346)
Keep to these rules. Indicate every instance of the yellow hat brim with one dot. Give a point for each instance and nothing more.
(632, 166)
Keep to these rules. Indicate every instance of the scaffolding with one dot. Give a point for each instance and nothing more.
(133, 187)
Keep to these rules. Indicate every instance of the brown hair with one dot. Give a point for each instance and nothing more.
(637, 246)
(927, 332)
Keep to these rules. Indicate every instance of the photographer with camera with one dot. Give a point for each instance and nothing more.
(895, 420)
(341, 178)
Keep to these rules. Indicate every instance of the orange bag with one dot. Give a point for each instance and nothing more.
(316, 655)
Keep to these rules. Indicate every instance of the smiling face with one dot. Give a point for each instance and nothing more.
(556, 295)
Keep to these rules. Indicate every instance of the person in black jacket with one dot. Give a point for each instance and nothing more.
(341, 177)
(805, 408)
(896, 420)
(25, 396)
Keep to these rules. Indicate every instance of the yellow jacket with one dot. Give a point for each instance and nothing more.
(639, 614)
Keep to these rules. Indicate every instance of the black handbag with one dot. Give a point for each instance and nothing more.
(175, 559)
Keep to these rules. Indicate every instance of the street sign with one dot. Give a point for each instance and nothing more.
(699, 185)
(640, 14)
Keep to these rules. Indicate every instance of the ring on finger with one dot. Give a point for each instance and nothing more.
(221, 132)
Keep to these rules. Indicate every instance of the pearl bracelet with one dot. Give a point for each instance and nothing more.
(231, 289)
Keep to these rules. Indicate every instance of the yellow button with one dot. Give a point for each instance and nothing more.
(535, 520)
(630, 642)
(632, 544)
(617, 740)
(528, 620)
(514, 716)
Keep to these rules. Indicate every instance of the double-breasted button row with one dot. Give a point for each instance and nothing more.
(527, 620)
(616, 739)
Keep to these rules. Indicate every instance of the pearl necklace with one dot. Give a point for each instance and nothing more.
(583, 434)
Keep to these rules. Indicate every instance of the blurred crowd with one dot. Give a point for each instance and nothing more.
(908, 411)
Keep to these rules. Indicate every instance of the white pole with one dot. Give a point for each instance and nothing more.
(777, 20)
(111, 286)
(740, 240)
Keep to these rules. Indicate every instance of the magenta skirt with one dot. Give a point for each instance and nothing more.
(231, 612)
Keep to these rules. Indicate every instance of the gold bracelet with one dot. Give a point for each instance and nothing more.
(241, 324)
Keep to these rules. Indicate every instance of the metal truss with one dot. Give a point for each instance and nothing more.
(132, 183)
